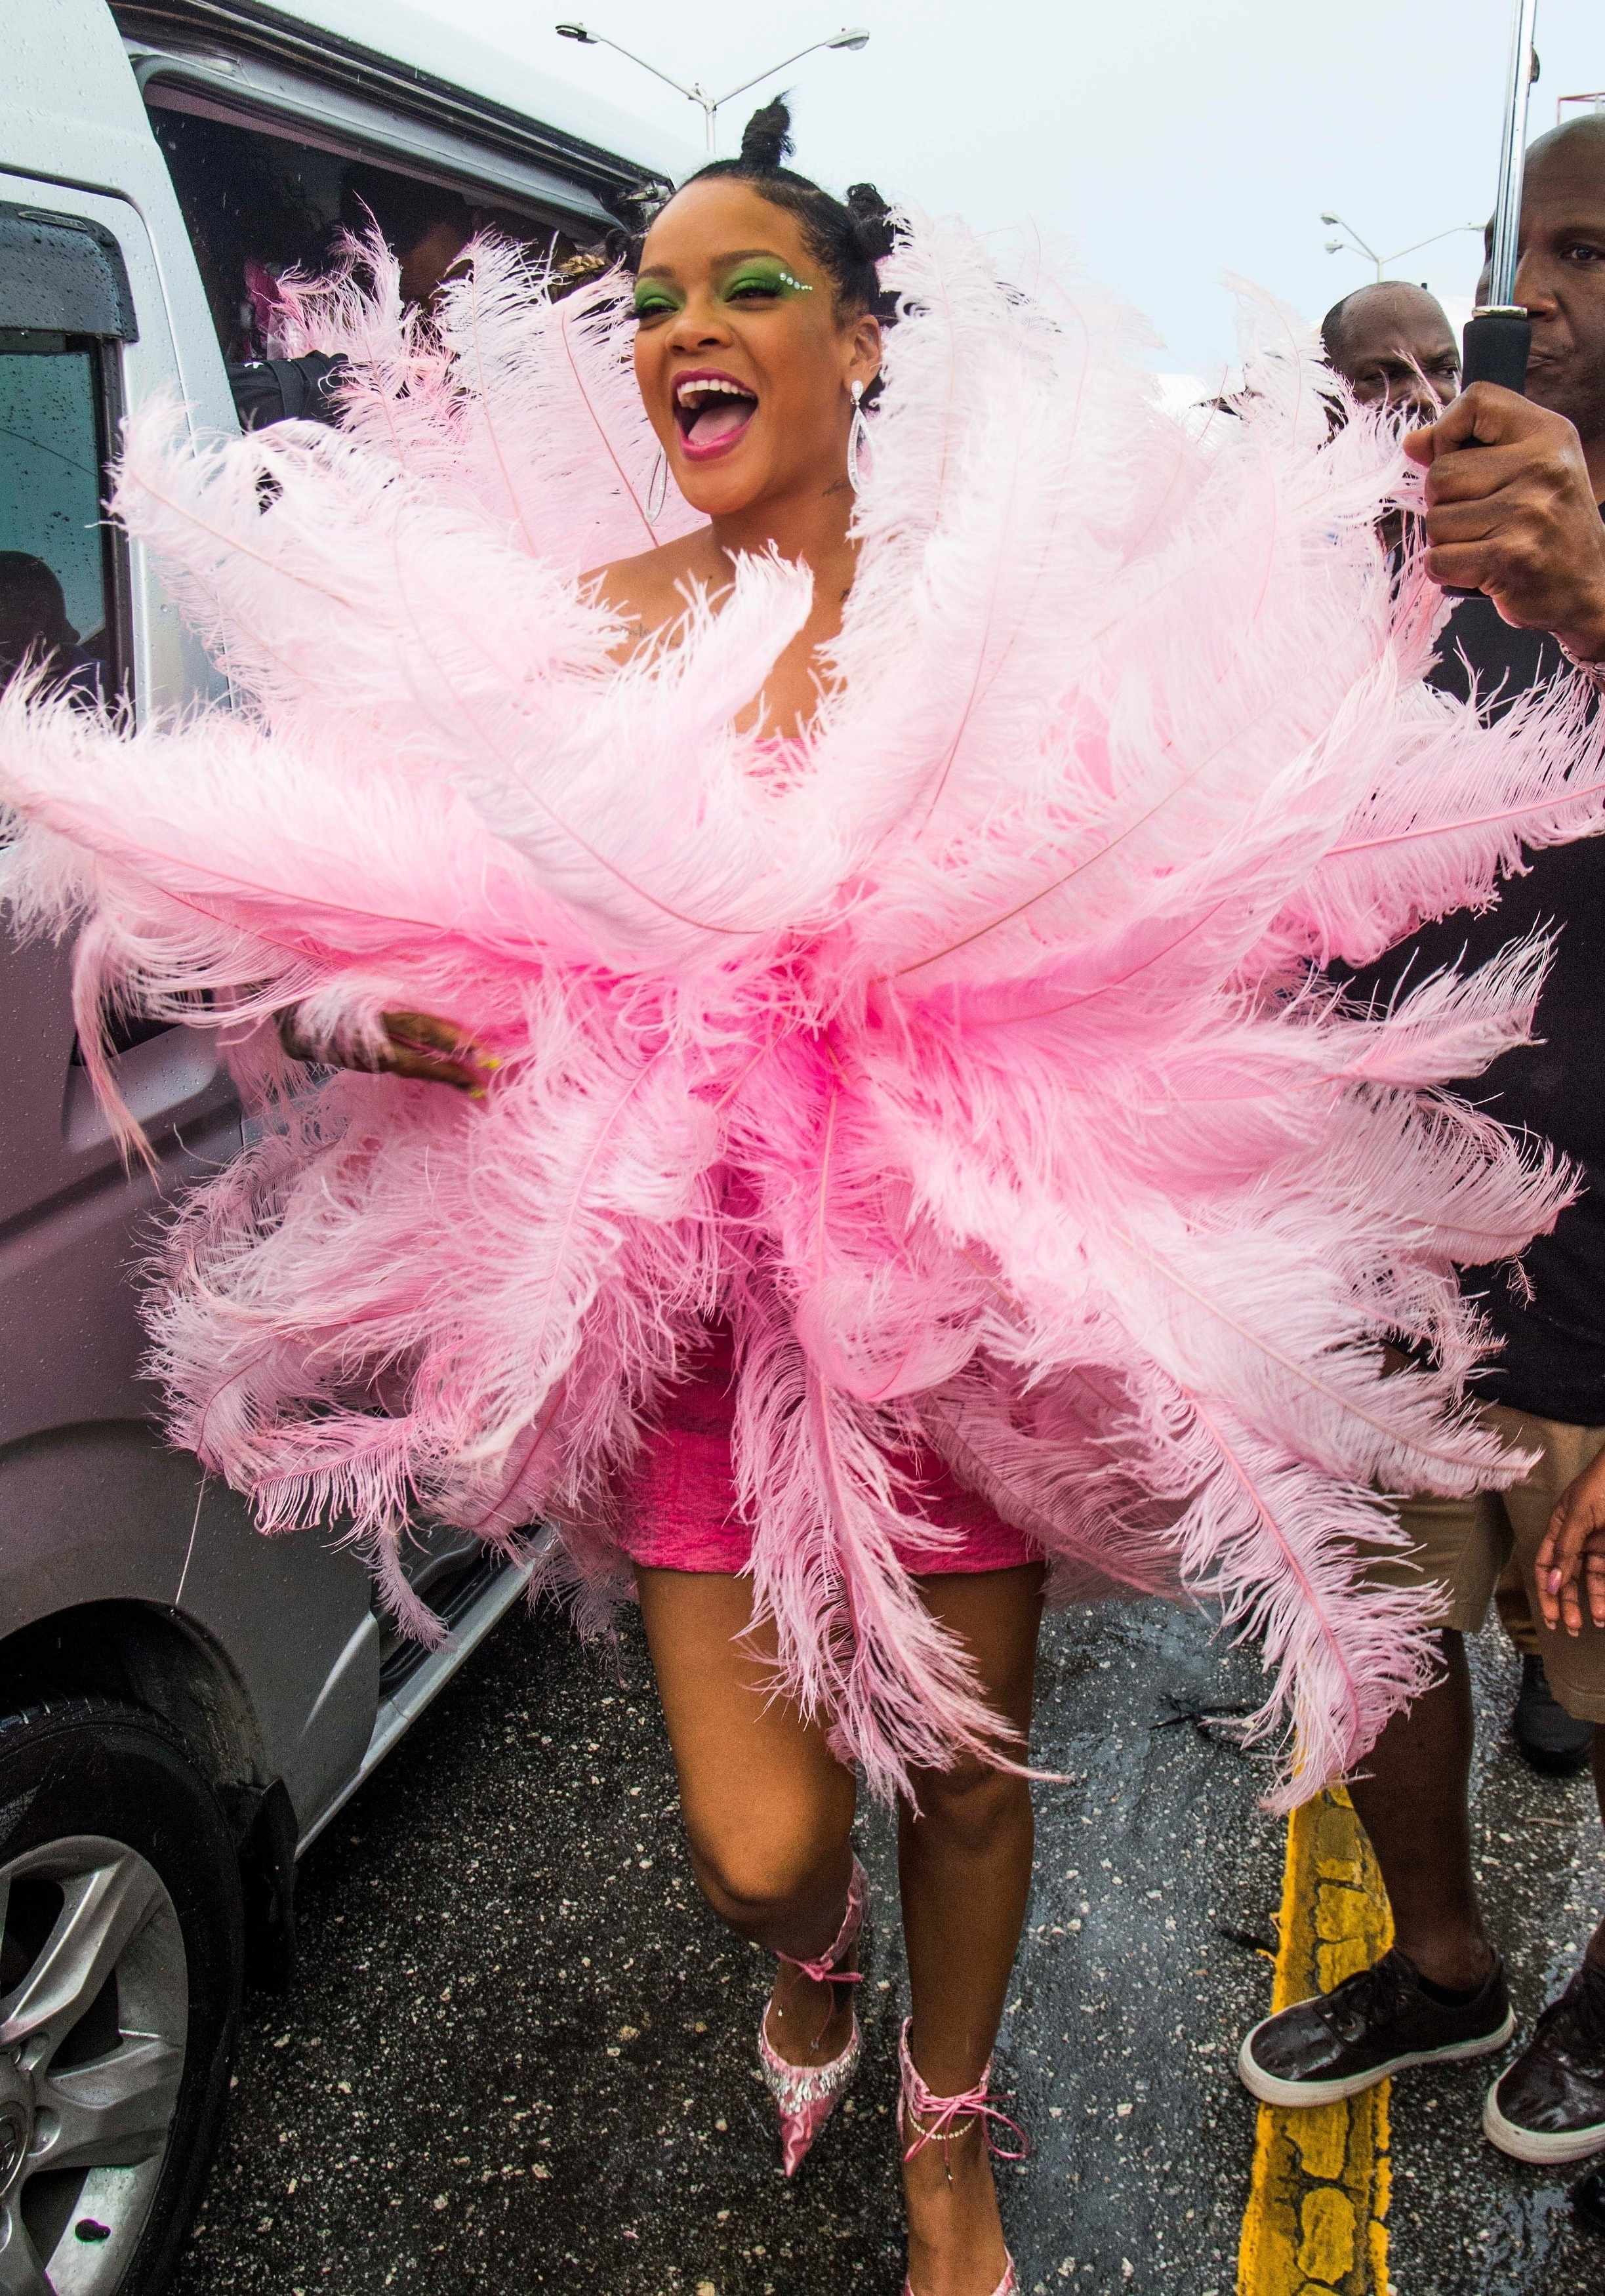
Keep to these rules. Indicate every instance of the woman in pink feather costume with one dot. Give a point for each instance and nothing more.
(911, 1152)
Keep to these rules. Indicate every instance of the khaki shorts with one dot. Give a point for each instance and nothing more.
(1466, 1544)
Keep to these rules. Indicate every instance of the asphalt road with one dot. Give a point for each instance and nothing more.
(518, 2051)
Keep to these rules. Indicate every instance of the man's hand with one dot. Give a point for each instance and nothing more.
(1574, 1551)
(1511, 510)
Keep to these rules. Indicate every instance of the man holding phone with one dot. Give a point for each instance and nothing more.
(1514, 489)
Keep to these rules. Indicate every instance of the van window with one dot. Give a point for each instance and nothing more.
(55, 596)
(259, 203)
(65, 309)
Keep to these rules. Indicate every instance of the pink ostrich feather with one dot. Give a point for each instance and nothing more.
(976, 1067)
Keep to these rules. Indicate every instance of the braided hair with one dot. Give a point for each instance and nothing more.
(846, 238)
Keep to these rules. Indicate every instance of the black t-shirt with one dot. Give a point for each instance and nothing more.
(1552, 1360)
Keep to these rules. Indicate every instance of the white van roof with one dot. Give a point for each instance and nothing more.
(436, 44)
(395, 63)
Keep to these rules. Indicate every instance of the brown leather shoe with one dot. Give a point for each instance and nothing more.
(1550, 2104)
(1370, 2027)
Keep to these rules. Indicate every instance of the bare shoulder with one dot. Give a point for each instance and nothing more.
(647, 593)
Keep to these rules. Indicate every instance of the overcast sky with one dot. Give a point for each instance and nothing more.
(1171, 140)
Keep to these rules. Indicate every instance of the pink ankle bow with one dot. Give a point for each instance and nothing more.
(940, 2112)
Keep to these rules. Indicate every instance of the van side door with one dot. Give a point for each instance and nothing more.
(94, 1509)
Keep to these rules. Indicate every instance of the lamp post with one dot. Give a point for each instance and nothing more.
(696, 93)
(1363, 247)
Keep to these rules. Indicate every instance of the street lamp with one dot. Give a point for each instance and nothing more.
(1363, 247)
(696, 93)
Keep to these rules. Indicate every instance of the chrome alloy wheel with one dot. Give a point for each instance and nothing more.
(93, 2017)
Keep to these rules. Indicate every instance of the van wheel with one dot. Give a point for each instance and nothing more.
(120, 1956)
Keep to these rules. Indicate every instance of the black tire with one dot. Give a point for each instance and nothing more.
(90, 1767)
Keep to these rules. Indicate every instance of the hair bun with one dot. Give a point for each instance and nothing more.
(766, 138)
(872, 217)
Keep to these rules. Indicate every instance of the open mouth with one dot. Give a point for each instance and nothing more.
(712, 410)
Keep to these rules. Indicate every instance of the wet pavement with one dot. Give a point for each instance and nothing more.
(518, 2055)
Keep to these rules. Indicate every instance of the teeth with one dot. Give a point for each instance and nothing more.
(708, 386)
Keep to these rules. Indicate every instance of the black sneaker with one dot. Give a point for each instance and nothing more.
(1551, 1738)
(1372, 2025)
(1588, 2200)
(1550, 2104)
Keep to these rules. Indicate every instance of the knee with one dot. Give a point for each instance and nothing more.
(971, 1805)
(758, 1878)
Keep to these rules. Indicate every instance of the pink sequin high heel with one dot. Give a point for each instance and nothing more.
(935, 2120)
(806, 2094)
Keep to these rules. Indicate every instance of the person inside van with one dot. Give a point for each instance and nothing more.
(426, 228)
(34, 626)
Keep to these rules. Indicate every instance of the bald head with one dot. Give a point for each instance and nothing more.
(1393, 346)
(1579, 142)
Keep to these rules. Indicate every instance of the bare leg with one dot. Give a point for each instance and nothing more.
(768, 1808)
(965, 1863)
(1412, 1802)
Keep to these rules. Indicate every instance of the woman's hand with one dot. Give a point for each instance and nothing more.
(1573, 1553)
(418, 1045)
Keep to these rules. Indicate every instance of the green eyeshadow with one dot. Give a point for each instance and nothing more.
(770, 278)
(652, 299)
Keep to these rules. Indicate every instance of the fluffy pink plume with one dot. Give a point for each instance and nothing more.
(974, 1066)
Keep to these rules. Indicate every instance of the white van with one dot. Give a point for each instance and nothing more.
(183, 1702)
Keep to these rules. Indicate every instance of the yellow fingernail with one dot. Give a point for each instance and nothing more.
(489, 1061)
(476, 1092)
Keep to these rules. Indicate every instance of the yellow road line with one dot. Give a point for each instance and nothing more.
(1316, 2221)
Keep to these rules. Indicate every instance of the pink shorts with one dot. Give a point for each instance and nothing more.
(680, 1512)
